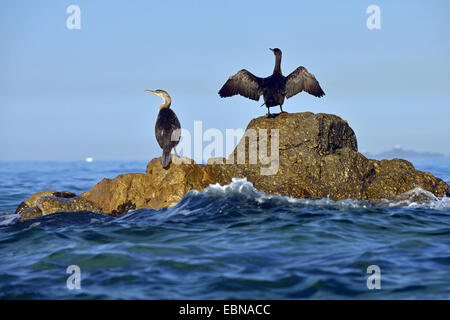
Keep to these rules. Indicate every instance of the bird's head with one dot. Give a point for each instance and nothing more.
(163, 95)
(160, 93)
(276, 51)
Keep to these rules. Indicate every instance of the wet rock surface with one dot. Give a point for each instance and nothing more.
(53, 204)
(49, 202)
(30, 213)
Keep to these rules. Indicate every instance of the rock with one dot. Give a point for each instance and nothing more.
(30, 213)
(321, 133)
(317, 157)
(65, 194)
(36, 196)
(123, 208)
(21, 208)
(156, 189)
(30, 203)
(114, 195)
(394, 177)
(49, 202)
(181, 160)
(217, 160)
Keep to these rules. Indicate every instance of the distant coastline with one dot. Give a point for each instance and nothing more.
(398, 152)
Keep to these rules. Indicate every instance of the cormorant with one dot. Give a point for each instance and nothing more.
(273, 88)
(167, 127)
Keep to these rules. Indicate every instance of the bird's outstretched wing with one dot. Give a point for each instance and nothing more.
(301, 80)
(244, 83)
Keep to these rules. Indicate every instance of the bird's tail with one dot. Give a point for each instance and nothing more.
(165, 159)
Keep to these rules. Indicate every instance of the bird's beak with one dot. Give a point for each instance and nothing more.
(150, 91)
(271, 49)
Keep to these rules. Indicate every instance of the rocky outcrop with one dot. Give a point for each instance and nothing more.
(318, 157)
(32, 202)
(49, 202)
(156, 189)
(30, 213)
(53, 204)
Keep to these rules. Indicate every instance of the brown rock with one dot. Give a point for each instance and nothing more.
(112, 195)
(52, 204)
(30, 203)
(181, 160)
(217, 160)
(49, 202)
(394, 177)
(36, 196)
(155, 189)
(318, 157)
(21, 208)
(30, 213)
(65, 194)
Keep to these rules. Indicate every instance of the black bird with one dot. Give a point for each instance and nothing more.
(273, 88)
(167, 127)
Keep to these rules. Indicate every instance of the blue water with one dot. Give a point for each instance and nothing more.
(225, 242)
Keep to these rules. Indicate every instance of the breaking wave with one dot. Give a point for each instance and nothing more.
(243, 191)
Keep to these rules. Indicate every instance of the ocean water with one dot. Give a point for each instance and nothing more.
(227, 242)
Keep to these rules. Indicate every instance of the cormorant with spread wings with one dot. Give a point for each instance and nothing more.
(273, 88)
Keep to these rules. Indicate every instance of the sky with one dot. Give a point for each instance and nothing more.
(67, 94)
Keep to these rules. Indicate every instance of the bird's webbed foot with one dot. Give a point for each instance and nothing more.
(281, 110)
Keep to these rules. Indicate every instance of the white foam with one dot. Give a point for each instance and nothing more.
(419, 198)
(237, 186)
(416, 198)
(8, 219)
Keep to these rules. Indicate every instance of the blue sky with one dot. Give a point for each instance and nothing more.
(69, 94)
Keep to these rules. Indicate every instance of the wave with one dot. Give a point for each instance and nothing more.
(241, 188)
(418, 198)
(240, 197)
(8, 219)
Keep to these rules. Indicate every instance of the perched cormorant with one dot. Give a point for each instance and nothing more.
(273, 88)
(167, 127)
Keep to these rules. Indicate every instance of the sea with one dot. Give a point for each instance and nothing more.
(226, 242)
